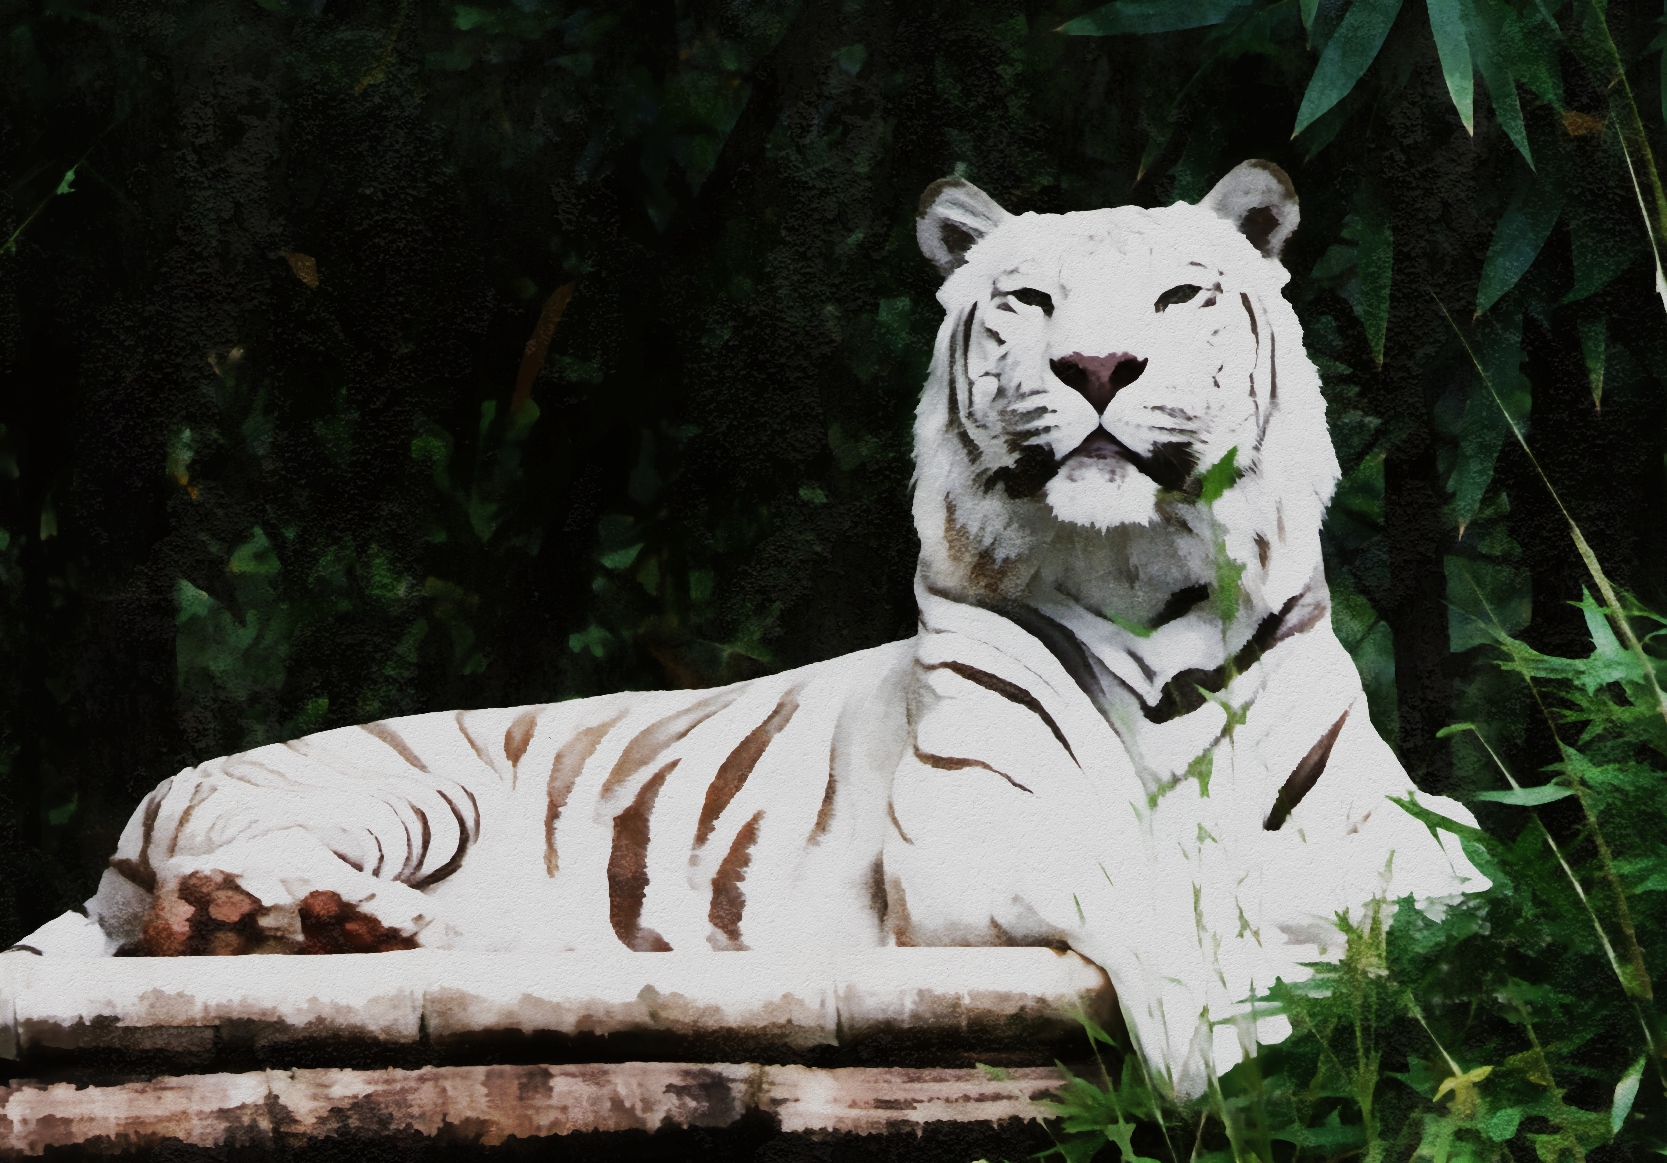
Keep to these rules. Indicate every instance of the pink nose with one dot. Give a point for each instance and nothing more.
(1098, 377)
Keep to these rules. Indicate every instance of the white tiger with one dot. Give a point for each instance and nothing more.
(1124, 726)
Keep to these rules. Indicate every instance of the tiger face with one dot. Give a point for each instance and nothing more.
(1100, 352)
(1094, 366)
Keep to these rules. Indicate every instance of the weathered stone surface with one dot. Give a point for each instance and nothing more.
(491, 1104)
(176, 1006)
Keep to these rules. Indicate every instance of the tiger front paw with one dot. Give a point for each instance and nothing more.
(202, 914)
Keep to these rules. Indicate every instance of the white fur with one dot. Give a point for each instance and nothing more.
(972, 785)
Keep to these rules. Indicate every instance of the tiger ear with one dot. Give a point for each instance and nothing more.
(954, 214)
(1258, 198)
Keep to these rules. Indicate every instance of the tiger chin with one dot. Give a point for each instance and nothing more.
(1124, 726)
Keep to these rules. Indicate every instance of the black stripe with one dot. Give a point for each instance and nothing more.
(1011, 691)
(1303, 779)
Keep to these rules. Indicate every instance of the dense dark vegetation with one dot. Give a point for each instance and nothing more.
(359, 359)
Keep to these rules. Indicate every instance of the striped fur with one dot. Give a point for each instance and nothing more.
(1124, 726)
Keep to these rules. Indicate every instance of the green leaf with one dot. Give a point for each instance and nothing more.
(1148, 16)
(1219, 477)
(1497, 346)
(1594, 344)
(1309, 7)
(1527, 797)
(1488, 599)
(1435, 821)
(1603, 245)
(1625, 1091)
(1453, 47)
(67, 184)
(1485, 24)
(1377, 252)
(254, 556)
(621, 558)
(1347, 56)
(1518, 238)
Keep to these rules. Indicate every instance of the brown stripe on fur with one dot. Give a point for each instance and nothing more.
(728, 901)
(877, 891)
(564, 770)
(474, 806)
(140, 872)
(519, 736)
(392, 738)
(406, 868)
(456, 860)
(946, 763)
(1010, 691)
(1302, 781)
(738, 764)
(428, 836)
(474, 744)
(824, 814)
(661, 734)
(891, 810)
(628, 869)
(198, 794)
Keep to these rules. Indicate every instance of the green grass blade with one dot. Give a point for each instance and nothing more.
(1350, 52)
(1610, 597)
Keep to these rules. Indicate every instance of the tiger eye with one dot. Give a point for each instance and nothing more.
(1031, 297)
(1174, 295)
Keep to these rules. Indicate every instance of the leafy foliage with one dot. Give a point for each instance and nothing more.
(271, 460)
(1521, 1022)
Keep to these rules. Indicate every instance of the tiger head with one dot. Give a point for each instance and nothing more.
(1119, 401)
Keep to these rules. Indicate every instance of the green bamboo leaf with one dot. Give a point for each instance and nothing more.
(1625, 1091)
(1594, 344)
(1483, 427)
(1219, 477)
(1453, 47)
(1660, 42)
(1532, 44)
(1376, 270)
(1144, 17)
(1485, 24)
(1486, 599)
(1351, 50)
(1309, 7)
(1527, 797)
(1603, 245)
(1517, 239)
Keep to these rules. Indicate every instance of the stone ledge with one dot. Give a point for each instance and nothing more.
(422, 1007)
(489, 1105)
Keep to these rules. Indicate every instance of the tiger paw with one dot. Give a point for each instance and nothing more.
(330, 924)
(202, 914)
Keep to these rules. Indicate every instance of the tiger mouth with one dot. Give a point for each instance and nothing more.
(1168, 465)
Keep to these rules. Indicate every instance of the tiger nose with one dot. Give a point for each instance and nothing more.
(1098, 377)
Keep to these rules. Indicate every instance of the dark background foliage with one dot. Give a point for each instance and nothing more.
(264, 469)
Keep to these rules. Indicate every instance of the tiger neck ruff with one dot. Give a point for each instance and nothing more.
(1124, 727)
